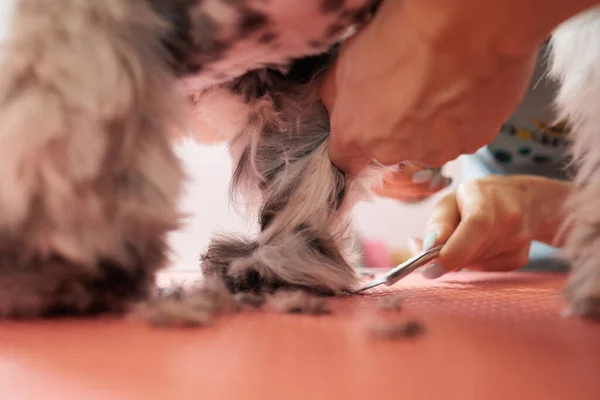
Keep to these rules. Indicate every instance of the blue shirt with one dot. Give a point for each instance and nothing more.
(531, 141)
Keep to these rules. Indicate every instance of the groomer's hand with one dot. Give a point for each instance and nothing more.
(428, 80)
(413, 184)
(488, 224)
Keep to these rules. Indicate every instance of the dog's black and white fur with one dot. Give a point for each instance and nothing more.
(88, 181)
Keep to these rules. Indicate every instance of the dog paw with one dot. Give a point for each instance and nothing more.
(247, 266)
(226, 257)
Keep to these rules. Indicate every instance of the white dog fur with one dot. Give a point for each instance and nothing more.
(575, 62)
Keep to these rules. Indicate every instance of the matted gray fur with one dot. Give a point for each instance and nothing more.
(304, 202)
(199, 303)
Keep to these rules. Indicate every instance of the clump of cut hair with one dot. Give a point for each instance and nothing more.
(251, 299)
(193, 306)
(298, 302)
(397, 330)
(392, 302)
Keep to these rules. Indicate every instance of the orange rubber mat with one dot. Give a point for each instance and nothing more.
(487, 336)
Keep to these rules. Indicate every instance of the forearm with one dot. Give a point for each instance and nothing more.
(505, 27)
(543, 16)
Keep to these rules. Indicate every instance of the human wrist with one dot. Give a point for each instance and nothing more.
(543, 204)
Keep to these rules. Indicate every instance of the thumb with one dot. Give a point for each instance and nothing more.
(443, 222)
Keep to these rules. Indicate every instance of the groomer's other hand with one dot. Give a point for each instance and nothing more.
(428, 80)
(413, 184)
(488, 224)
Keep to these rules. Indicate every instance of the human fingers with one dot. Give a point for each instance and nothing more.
(411, 193)
(510, 258)
(492, 222)
(505, 262)
(470, 234)
(413, 184)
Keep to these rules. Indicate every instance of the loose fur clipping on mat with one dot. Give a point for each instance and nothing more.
(392, 302)
(199, 303)
(180, 306)
(253, 300)
(396, 330)
(298, 302)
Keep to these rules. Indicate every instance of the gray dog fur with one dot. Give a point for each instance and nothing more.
(89, 183)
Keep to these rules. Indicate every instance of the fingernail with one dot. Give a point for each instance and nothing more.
(433, 271)
(430, 241)
(435, 181)
(422, 176)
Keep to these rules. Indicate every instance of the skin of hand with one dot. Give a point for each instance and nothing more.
(488, 224)
(428, 80)
(412, 184)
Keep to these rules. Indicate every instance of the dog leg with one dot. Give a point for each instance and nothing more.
(283, 171)
(88, 180)
(576, 63)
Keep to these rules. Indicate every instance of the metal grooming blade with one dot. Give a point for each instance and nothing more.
(404, 269)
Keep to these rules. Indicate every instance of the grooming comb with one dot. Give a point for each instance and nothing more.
(404, 269)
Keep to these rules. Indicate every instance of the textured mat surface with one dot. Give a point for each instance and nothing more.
(488, 336)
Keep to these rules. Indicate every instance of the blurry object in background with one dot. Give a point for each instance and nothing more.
(375, 254)
(399, 256)
(177, 306)
(254, 300)
(378, 254)
(415, 245)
